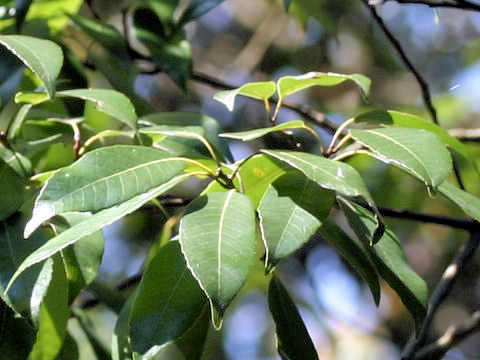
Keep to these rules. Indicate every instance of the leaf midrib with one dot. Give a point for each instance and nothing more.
(220, 238)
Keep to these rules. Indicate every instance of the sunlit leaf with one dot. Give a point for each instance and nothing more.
(353, 253)
(418, 152)
(257, 133)
(288, 85)
(217, 234)
(94, 223)
(43, 57)
(53, 317)
(290, 212)
(103, 178)
(469, 203)
(390, 261)
(396, 118)
(256, 90)
(167, 303)
(293, 340)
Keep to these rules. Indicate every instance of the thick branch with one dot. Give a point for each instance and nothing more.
(461, 5)
(443, 289)
(454, 335)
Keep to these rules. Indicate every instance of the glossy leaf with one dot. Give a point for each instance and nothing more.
(395, 118)
(390, 261)
(217, 234)
(291, 211)
(469, 203)
(353, 254)
(54, 314)
(211, 127)
(167, 303)
(256, 175)
(256, 90)
(288, 85)
(94, 223)
(257, 133)
(11, 190)
(418, 152)
(82, 260)
(331, 175)
(13, 250)
(103, 178)
(293, 340)
(43, 57)
(110, 102)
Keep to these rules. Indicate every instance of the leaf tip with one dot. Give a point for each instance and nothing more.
(217, 315)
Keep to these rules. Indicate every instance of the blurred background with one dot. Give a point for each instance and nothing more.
(255, 40)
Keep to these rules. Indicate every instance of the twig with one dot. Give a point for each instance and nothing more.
(443, 289)
(461, 5)
(467, 135)
(454, 335)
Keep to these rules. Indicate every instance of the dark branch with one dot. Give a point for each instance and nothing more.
(461, 5)
(443, 289)
(453, 336)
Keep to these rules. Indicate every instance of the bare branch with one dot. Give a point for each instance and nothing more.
(443, 289)
(454, 335)
(461, 5)
(468, 135)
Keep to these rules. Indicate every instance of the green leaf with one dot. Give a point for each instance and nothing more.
(103, 178)
(353, 254)
(390, 260)
(13, 250)
(331, 175)
(43, 57)
(418, 152)
(16, 161)
(54, 314)
(94, 223)
(17, 337)
(469, 203)
(256, 90)
(217, 234)
(189, 132)
(167, 303)
(210, 125)
(288, 85)
(395, 118)
(11, 190)
(120, 340)
(197, 8)
(106, 35)
(293, 340)
(83, 259)
(291, 211)
(110, 102)
(257, 133)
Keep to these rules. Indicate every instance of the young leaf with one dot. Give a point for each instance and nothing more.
(288, 85)
(293, 341)
(257, 133)
(94, 223)
(103, 178)
(11, 190)
(418, 152)
(167, 304)
(331, 175)
(256, 90)
(469, 203)
(390, 260)
(43, 57)
(217, 234)
(395, 118)
(290, 212)
(353, 254)
(82, 260)
(210, 125)
(108, 101)
(54, 314)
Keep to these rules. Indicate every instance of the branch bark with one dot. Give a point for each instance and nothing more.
(461, 5)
